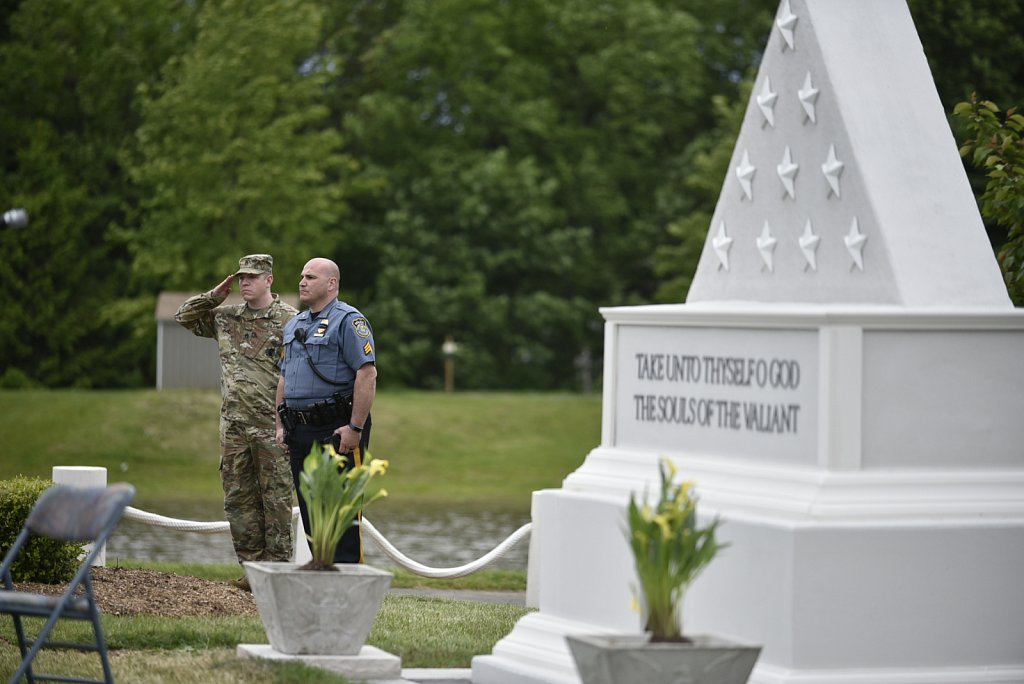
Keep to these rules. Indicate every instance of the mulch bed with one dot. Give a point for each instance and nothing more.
(129, 591)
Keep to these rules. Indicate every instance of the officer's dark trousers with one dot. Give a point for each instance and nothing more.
(300, 441)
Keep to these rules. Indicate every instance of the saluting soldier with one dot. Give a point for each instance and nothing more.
(328, 383)
(254, 469)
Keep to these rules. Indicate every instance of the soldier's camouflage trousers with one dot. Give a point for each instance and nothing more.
(257, 481)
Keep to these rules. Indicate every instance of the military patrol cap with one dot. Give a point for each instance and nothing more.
(255, 264)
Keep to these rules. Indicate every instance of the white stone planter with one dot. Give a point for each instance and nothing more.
(633, 659)
(317, 612)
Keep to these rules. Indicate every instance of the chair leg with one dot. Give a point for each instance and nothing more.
(101, 643)
(19, 630)
(28, 655)
(37, 645)
(25, 669)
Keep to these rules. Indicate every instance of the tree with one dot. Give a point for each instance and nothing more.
(998, 148)
(68, 74)
(973, 47)
(235, 153)
(707, 161)
(493, 170)
(519, 164)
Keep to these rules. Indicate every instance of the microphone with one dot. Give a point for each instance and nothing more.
(15, 219)
(300, 335)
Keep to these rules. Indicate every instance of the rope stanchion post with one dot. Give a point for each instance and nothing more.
(83, 476)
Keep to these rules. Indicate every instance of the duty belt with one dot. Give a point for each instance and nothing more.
(306, 418)
(336, 410)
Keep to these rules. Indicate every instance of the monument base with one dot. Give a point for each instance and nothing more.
(933, 600)
(370, 663)
(869, 481)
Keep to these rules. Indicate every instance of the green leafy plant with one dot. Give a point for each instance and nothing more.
(334, 497)
(49, 561)
(998, 148)
(670, 549)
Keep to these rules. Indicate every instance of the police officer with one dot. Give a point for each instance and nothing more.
(253, 468)
(328, 383)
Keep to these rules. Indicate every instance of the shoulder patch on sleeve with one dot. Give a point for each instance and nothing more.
(361, 327)
(367, 348)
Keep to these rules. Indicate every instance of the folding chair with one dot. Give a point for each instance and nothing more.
(82, 514)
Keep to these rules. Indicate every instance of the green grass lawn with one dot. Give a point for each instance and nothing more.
(472, 450)
(424, 632)
(490, 449)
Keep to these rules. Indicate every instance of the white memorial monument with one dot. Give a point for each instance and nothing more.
(845, 383)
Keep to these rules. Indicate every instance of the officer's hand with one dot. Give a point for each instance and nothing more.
(349, 439)
(224, 289)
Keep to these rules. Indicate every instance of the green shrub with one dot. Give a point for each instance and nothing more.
(42, 560)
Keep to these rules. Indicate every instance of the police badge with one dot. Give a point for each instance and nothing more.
(361, 327)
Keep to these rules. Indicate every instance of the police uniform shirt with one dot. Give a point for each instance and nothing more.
(339, 341)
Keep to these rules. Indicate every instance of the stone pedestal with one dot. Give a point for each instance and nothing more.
(370, 663)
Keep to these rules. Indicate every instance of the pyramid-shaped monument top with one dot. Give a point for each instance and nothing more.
(845, 185)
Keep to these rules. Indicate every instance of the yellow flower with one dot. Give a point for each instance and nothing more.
(663, 523)
(671, 469)
(378, 466)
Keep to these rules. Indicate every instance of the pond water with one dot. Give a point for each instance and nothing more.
(436, 537)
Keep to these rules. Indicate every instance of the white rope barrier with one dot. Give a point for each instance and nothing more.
(382, 543)
(132, 513)
(445, 573)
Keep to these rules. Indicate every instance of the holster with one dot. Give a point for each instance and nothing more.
(286, 418)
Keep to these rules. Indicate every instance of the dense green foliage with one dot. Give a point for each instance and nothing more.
(235, 150)
(998, 148)
(41, 559)
(491, 171)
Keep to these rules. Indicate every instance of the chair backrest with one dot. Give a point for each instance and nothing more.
(79, 513)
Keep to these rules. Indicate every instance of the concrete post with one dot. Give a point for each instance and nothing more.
(83, 476)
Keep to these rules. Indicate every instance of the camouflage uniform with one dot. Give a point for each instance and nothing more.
(254, 471)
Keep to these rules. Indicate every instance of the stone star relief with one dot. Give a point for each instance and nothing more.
(745, 172)
(832, 168)
(808, 95)
(722, 243)
(787, 172)
(855, 244)
(766, 101)
(809, 246)
(786, 22)
(766, 246)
